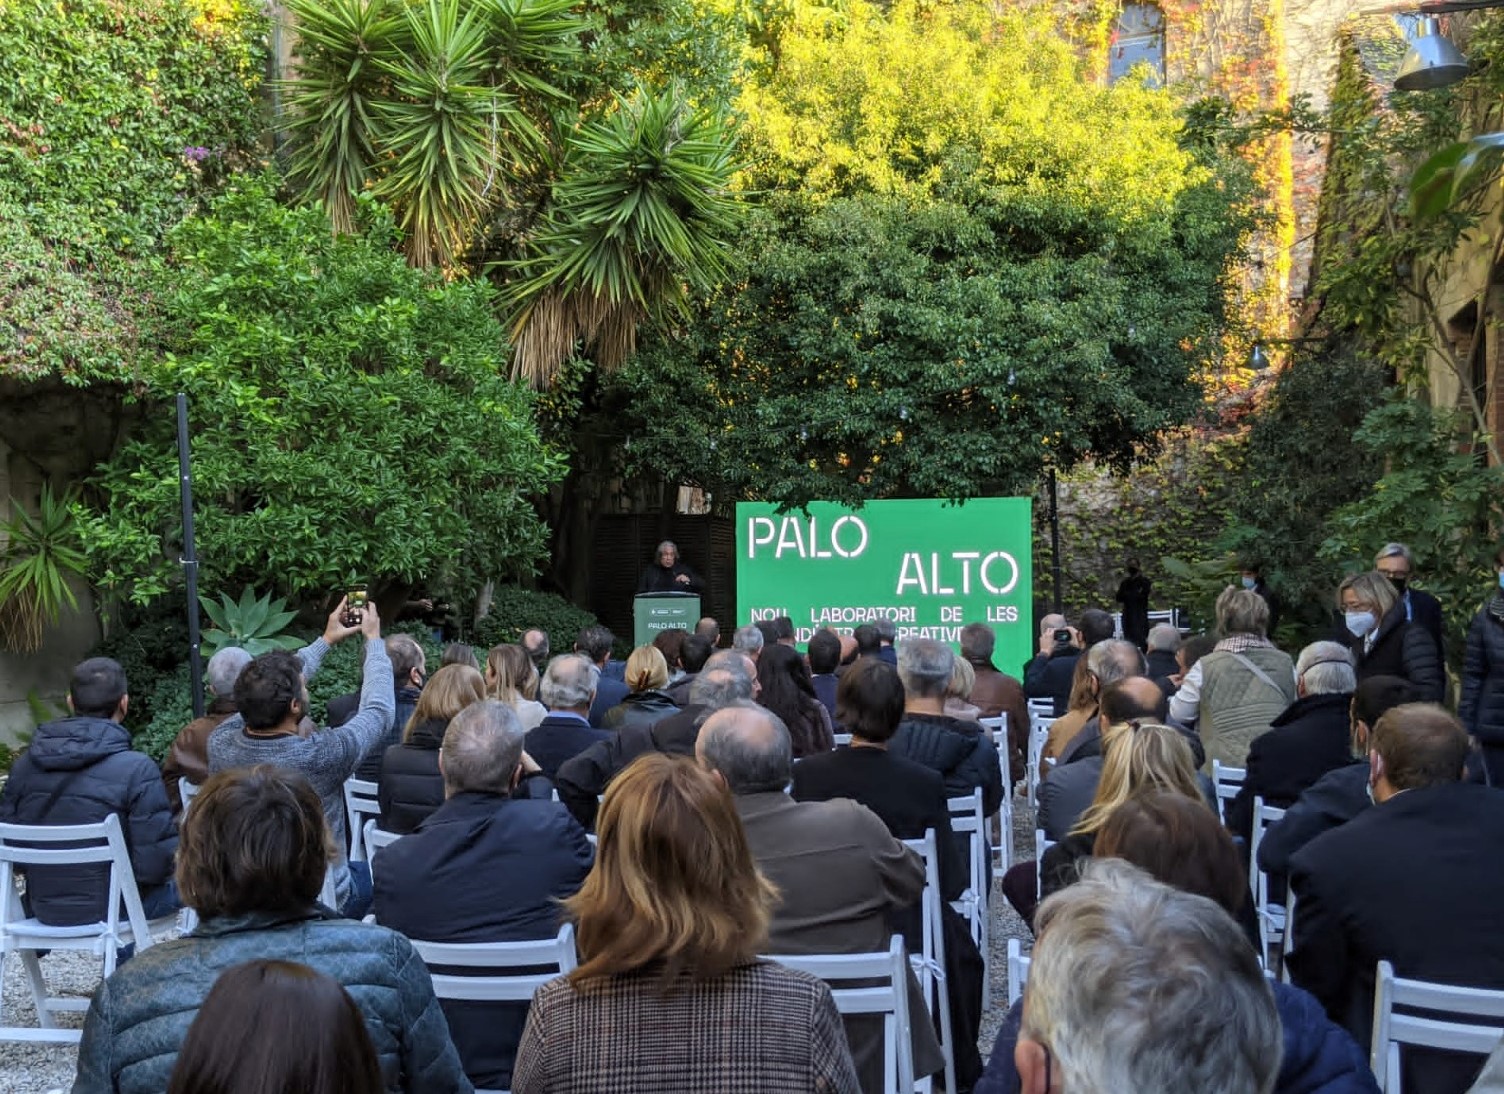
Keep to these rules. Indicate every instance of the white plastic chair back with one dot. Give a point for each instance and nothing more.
(375, 839)
(104, 844)
(1018, 971)
(889, 997)
(360, 800)
(969, 823)
(929, 966)
(1393, 1027)
(1041, 845)
(842, 739)
(1271, 917)
(187, 791)
(1002, 820)
(1227, 781)
(1041, 708)
(498, 982)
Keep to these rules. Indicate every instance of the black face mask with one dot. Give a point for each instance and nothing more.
(1399, 583)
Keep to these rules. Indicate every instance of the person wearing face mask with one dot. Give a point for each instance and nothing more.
(1482, 706)
(1253, 580)
(1383, 641)
(1396, 562)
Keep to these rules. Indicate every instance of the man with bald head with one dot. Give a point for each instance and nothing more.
(840, 875)
(1049, 675)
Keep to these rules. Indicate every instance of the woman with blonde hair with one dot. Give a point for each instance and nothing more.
(647, 704)
(512, 677)
(958, 702)
(669, 925)
(1137, 757)
(1383, 640)
(411, 787)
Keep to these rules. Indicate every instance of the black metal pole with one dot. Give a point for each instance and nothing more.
(190, 559)
(1055, 544)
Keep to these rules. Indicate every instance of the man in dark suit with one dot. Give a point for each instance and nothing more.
(1418, 880)
(1396, 563)
(841, 875)
(486, 867)
(567, 690)
(824, 659)
(693, 654)
(1311, 737)
(595, 644)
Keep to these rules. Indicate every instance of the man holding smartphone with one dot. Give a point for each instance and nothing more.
(1049, 674)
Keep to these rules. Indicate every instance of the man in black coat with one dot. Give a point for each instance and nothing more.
(824, 659)
(960, 750)
(1312, 736)
(486, 867)
(1418, 880)
(1396, 562)
(567, 690)
(79, 770)
(693, 654)
(1164, 643)
(668, 573)
(409, 670)
(595, 644)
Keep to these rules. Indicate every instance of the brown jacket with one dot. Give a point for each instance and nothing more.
(841, 876)
(1063, 731)
(998, 693)
(188, 755)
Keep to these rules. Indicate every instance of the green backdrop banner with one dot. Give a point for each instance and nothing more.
(930, 566)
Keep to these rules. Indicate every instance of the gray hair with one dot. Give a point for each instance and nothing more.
(1138, 988)
(224, 669)
(482, 748)
(747, 639)
(569, 682)
(1164, 637)
(1392, 550)
(667, 545)
(1052, 622)
(978, 640)
(1371, 588)
(723, 681)
(924, 667)
(749, 745)
(1242, 611)
(1327, 669)
(887, 630)
(1113, 660)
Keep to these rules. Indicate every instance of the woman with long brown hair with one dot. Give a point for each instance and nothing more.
(411, 787)
(512, 677)
(669, 925)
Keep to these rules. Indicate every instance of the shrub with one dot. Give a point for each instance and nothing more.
(514, 610)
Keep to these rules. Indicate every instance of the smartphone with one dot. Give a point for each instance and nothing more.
(1062, 635)
(355, 605)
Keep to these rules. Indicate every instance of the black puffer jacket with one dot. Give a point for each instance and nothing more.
(641, 709)
(78, 771)
(1402, 649)
(958, 749)
(1482, 706)
(411, 787)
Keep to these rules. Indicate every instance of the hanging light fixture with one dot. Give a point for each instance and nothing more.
(1258, 360)
(1432, 62)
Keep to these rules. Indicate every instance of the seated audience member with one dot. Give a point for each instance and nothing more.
(748, 640)
(1341, 794)
(769, 631)
(693, 653)
(1066, 792)
(995, 693)
(824, 659)
(79, 770)
(670, 992)
(1180, 843)
(785, 689)
(887, 635)
(1417, 880)
(646, 704)
(254, 851)
(958, 702)
(188, 756)
(460, 653)
(909, 798)
(1081, 708)
(1106, 663)
(1312, 736)
(594, 643)
(1163, 644)
(409, 670)
(1384, 641)
(1235, 692)
(1051, 674)
(512, 678)
(568, 689)
(411, 787)
(488, 866)
(961, 751)
(670, 643)
(535, 644)
(783, 631)
(277, 1026)
(271, 697)
(1138, 988)
(727, 677)
(841, 875)
(867, 642)
(707, 627)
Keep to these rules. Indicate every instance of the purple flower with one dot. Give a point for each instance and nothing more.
(194, 154)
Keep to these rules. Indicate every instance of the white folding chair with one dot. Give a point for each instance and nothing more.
(929, 964)
(187, 791)
(102, 844)
(328, 894)
(497, 983)
(375, 839)
(1041, 845)
(1271, 917)
(1002, 820)
(889, 997)
(1287, 942)
(1041, 708)
(360, 800)
(1039, 733)
(1018, 971)
(1226, 781)
(969, 823)
(1393, 1025)
(842, 739)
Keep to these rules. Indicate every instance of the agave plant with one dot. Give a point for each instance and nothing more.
(40, 556)
(255, 625)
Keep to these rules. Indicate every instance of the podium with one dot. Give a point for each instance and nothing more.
(654, 612)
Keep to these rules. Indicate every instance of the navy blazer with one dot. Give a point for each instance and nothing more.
(558, 739)
(483, 868)
(608, 693)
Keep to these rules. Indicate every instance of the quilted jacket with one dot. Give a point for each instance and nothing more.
(959, 750)
(140, 1015)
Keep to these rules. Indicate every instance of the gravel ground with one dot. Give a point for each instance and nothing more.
(42, 1069)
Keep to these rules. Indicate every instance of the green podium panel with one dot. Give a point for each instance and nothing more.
(654, 612)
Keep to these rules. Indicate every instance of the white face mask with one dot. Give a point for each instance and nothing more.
(1360, 623)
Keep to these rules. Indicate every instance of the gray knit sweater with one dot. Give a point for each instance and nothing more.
(328, 757)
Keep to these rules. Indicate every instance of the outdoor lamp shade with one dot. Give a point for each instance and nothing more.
(1433, 61)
